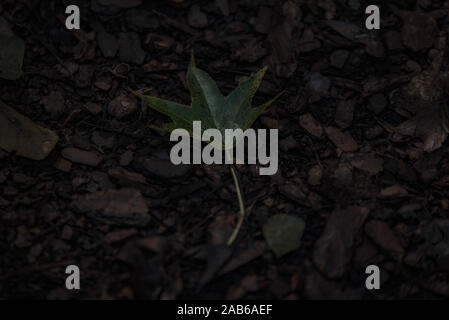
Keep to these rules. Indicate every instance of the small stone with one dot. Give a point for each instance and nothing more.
(123, 106)
(54, 103)
(308, 123)
(103, 84)
(373, 132)
(425, 3)
(119, 235)
(224, 7)
(103, 140)
(126, 177)
(20, 178)
(67, 232)
(83, 157)
(339, 58)
(3, 202)
(269, 123)
(63, 165)
(262, 24)
(125, 4)
(288, 143)
(141, 20)
(319, 84)
(165, 43)
(354, 4)
(161, 166)
(67, 69)
(107, 43)
(130, 48)
(23, 238)
(393, 40)
(314, 175)
(391, 192)
(342, 140)
(345, 113)
(419, 30)
(84, 76)
(10, 191)
(35, 251)
(368, 163)
(294, 192)
(334, 249)
(384, 237)
(196, 17)
(154, 243)
(413, 66)
(126, 207)
(375, 49)
(308, 43)
(126, 158)
(93, 108)
(377, 103)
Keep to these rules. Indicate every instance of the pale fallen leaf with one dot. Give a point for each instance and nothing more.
(12, 50)
(283, 233)
(20, 134)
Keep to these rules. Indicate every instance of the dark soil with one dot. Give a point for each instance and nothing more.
(366, 196)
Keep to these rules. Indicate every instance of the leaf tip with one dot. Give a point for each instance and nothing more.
(136, 93)
(263, 70)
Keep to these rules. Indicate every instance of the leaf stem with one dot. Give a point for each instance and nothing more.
(241, 205)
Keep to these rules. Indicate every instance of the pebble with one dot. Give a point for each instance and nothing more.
(83, 157)
(377, 103)
(123, 106)
(196, 17)
(375, 49)
(130, 48)
(107, 43)
(312, 126)
(339, 58)
(393, 40)
(262, 24)
(126, 158)
(93, 108)
(140, 20)
(345, 113)
(54, 103)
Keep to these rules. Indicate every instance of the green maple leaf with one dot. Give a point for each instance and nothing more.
(210, 106)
